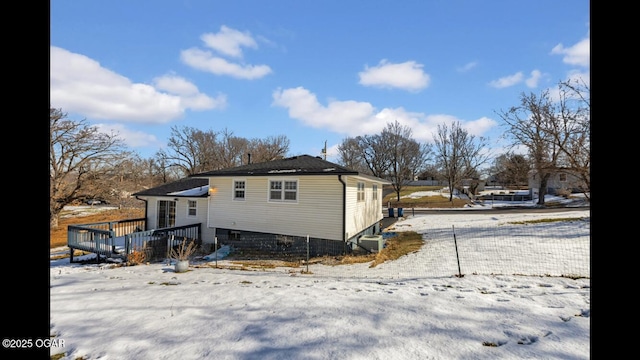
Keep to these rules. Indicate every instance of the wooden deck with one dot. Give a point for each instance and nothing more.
(119, 239)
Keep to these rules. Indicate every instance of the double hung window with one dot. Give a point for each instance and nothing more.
(283, 190)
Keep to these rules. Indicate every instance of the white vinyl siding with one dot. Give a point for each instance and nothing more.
(317, 211)
(361, 214)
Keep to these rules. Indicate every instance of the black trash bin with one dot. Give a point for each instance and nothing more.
(391, 212)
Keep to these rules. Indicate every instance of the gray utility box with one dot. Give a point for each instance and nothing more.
(373, 243)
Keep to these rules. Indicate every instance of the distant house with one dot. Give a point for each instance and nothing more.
(561, 181)
(275, 206)
(182, 202)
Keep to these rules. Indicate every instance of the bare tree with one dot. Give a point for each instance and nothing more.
(271, 148)
(229, 150)
(351, 155)
(573, 131)
(392, 155)
(511, 170)
(192, 150)
(162, 168)
(407, 156)
(458, 154)
(535, 124)
(196, 151)
(235, 151)
(374, 151)
(81, 160)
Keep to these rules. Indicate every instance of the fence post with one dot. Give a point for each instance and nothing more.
(455, 242)
(215, 246)
(307, 253)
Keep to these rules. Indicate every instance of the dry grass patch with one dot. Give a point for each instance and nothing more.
(542, 221)
(263, 264)
(436, 201)
(403, 243)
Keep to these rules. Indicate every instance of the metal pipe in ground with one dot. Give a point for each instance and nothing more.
(307, 254)
(455, 242)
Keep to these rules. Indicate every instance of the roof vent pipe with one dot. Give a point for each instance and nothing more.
(249, 158)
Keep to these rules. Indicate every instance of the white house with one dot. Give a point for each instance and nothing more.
(284, 203)
(300, 202)
(561, 181)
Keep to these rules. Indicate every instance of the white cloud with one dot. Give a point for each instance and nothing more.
(360, 118)
(467, 66)
(229, 41)
(573, 76)
(507, 80)
(578, 54)
(131, 138)
(189, 93)
(175, 85)
(407, 76)
(580, 76)
(206, 61)
(80, 84)
(532, 81)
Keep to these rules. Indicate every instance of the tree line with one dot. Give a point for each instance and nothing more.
(547, 133)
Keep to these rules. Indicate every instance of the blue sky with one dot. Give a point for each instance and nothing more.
(313, 71)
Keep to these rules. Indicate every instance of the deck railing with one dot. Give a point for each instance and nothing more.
(119, 239)
(157, 243)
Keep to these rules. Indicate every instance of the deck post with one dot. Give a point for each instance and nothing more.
(70, 255)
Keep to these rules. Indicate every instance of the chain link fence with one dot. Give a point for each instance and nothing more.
(557, 248)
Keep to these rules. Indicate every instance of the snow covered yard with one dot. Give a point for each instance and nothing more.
(345, 311)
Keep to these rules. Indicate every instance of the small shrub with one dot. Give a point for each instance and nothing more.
(137, 257)
(184, 250)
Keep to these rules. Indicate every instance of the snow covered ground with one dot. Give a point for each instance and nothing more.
(333, 312)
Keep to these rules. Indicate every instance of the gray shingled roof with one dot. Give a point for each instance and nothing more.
(296, 165)
(176, 186)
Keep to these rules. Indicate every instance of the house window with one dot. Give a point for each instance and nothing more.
(283, 190)
(238, 189)
(191, 208)
(375, 192)
(563, 177)
(360, 191)
(166, 213)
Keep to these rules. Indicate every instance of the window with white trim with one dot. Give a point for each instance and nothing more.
(238, 189)
(374, 188)
(283, 190)
(360, 191)
(192, 208)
